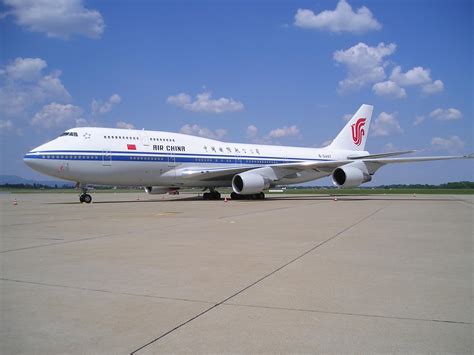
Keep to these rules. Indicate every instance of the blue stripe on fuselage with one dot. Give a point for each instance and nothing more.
(159, 157)
(167, 154)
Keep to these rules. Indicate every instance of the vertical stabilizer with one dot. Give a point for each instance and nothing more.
(354, 134)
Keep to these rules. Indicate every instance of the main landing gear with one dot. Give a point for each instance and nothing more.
(212, 195)
(84, 196)
(259, 196)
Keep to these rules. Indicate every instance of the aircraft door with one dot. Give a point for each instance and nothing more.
(171, 160)
(106, 157)
(237, 160)
(144, 138)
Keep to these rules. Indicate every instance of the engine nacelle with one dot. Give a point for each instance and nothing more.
(249, 183)
(350, 176)
(159, 190)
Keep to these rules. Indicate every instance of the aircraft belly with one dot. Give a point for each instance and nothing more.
(118, 173)
(135, 174)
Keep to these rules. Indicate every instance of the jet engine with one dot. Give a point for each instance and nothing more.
(159, 190)
(350, 175)
(249, 183)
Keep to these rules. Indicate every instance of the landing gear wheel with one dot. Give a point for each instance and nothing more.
(213, 195)
(85, 198)
(234, 196)
(261, 196)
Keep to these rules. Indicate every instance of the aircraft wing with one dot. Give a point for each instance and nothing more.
(227, 173)
(327, 166)
(212, 173)
(376, 163)
(415, 159)
(380, 155)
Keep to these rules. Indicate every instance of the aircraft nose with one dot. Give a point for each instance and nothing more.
(34, 160)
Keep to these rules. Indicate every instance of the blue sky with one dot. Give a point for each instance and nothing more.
(279, 72)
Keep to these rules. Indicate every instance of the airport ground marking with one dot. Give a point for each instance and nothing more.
(347, 313)
(259, 280)
(105, 291)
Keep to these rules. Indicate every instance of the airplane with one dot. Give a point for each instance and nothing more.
(164, 162)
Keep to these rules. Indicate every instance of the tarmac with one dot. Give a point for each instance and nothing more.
(132, 273)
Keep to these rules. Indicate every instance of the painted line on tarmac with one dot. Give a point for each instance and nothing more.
(105, 291)
(347, 313)
(259, 280)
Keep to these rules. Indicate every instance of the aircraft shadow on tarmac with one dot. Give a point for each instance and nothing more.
(343, 198)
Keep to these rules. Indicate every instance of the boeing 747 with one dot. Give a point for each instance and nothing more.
(165, 162)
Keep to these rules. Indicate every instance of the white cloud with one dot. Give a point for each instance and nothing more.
(204, 103)
(450, 144)
(389, 147)
(51, 87)
(365, 64)
(180, 100)
(25, 86)
(386, 124)
(59, 19)
(99, 107)
(450, 114)
(342, 19)
(273, 135)
(252, 131)
(58, 115)
(285, 131)
(125, 125)
(6, 125)
(82, 122)
(26, 69)
(389, 88)
(419, 120)
(434, 87)
(415, 76)
(196, 130)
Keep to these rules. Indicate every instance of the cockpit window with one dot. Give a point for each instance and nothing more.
(74, 134)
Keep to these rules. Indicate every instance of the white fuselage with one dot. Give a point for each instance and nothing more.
(110, 156)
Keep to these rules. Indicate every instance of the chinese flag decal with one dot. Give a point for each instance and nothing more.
(131, 147)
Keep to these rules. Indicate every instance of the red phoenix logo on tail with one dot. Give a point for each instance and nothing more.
(358, 131)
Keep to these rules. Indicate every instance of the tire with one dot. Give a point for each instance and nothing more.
(87, 198)
(234, 196)
(81, 198)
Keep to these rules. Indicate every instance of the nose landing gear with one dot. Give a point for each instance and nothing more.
(84, 196)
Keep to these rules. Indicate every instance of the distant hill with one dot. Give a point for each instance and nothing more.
(15, 180)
